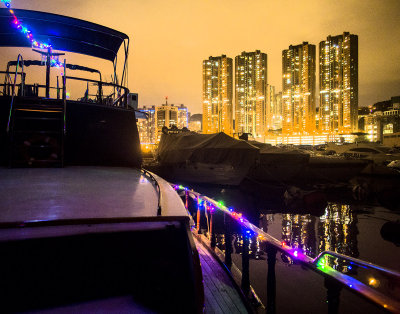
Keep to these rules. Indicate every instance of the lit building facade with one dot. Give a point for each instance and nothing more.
(165, 115)
(251, 93)
(298, 89)
(277, 112)
(183, 117)
(274, 109)
(146, 127)
(195, 122)
(338, 84)
(217, 95)
(380, 120)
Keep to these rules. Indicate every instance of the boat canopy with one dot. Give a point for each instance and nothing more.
(205, 148)
(62, 33)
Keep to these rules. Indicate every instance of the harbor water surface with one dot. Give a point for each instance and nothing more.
(332, 221)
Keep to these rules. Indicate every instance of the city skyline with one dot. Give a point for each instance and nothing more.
(169, 43)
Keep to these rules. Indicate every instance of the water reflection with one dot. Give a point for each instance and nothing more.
(298, 231)
(336, 230)
(333, 227)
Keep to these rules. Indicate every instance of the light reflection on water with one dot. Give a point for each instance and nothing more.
(351, 229)
(338, 224)
(336, 231)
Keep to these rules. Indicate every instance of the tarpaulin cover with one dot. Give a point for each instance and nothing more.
(270, 149)
(206, 148)
(61, 32)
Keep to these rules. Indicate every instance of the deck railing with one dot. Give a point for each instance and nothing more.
(13, 88)
(376, 284)
(119, 97)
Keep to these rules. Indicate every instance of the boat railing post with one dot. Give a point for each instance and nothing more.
(245, 285)
(126, 99)
(187, 200)
(198, 217)
(48, 66)
(333, 289)
(228, 241)
(58, 89)
(100, 87)
(22, 81)
(271, 279)
(64, 98)
(213, 240)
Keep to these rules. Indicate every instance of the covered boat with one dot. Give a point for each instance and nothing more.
(205, 158)
(278, 164)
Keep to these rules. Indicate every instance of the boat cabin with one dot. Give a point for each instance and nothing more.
(82, 227)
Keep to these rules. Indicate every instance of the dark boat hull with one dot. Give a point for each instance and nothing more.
(95, 134)
(204, 173)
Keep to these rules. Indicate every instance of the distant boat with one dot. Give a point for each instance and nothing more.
(375, 152)
(205, 158)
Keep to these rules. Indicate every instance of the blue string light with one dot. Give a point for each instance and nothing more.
(28, 34)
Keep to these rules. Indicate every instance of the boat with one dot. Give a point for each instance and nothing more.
(205, 158)
(332, 169)
(296, 166)
(377, 153)
(395, 164)
(276, 164)
(82, 227)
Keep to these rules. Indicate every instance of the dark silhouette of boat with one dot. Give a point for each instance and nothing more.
(82, 226)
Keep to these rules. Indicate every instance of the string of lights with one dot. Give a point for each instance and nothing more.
(320, 263)
(24, 29)
(251, 230)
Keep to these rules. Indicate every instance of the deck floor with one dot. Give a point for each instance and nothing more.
(75, 193)
(219, 292)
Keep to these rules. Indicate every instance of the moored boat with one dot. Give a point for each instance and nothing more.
(205, 158)
(275, 164)
(76, 234)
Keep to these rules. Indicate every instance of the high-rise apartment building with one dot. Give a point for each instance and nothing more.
(183, 117)
(298, 89)
(166, 115)
(146, 127)
(338, 84)
(277, 112)
(251, 93)
(217, 95)
(270, 107)
(274, 109)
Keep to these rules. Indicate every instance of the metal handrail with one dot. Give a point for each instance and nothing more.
(347, 281)
(149, 174)
(100, 83)
(13, 89)
(357, 261)
(122, 99)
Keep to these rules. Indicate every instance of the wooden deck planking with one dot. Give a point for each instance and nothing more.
(219, 291)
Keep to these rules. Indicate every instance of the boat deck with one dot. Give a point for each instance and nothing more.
(78, 193)
(219, 292)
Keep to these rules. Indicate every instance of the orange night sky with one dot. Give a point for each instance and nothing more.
(170, 39)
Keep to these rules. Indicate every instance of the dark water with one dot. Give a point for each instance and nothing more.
(316, 222)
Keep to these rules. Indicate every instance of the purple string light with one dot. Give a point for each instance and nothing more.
(28, 34)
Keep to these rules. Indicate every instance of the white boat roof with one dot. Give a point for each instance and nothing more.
(42, 194)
